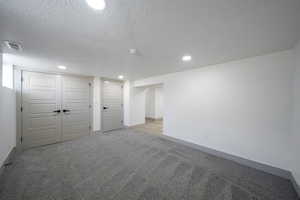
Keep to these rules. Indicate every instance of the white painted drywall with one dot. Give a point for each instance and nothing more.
(7, 76)
(296, 114)
(1, 64)
(7, 119)
(154, 102)
(150, 103)
(126, 100)
(242, 108)
(137, 102)
(134, 104)
(97, 104)
(159, 102)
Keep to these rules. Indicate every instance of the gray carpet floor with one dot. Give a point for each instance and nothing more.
(130, 165)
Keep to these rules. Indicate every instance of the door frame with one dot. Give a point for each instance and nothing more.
(101, 104)
(18, 79)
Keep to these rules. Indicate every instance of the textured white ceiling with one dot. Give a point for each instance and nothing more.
(68, 32)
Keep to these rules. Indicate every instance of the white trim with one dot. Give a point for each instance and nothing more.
(242, 161)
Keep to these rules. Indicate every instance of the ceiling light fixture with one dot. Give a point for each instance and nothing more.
(96, 4)
(132, 51)
(186, 58)
(62, 67)
(121, 77)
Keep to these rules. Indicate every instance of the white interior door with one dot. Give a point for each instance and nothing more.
(54, 108)
(112, 105)
(41, 121)
(75, 107)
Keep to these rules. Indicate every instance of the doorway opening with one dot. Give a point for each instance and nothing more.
(154, 110)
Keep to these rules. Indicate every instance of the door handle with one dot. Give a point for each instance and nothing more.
(57, 111)
(104, 107)
(66, 110)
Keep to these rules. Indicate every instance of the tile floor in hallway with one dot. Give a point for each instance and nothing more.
(131, 165)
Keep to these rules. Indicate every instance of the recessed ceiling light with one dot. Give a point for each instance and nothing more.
(62, 67)
(186, 58)
(121, 77)
(132, 51)
(96, 4)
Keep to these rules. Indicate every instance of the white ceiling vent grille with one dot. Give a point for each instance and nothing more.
(13, 45)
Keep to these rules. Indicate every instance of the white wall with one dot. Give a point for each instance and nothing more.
(154, 102)
(242, 108)
(134, 104)
(150, 103)
(159, 102)
(296, 114)
(97, 104)
(137, 103)
(7, 119)
(126, 99)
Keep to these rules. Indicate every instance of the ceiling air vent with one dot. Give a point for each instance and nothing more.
(13, 45)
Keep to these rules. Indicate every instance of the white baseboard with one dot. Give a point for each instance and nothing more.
(295, 184)
(249, 163)
(154, 119)
(8, 159)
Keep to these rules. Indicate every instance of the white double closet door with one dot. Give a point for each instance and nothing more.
(54, 108)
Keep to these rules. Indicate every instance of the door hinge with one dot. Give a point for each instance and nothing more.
(22, 79)
(21, 109)
(90, 127)
(90, 84)
(90, 106)
(21, 139)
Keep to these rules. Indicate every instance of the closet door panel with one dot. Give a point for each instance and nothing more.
(41, 121)
(76, 107)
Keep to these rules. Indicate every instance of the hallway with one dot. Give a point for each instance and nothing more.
(151, 126)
